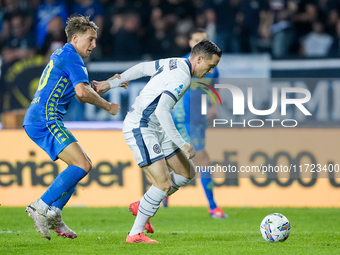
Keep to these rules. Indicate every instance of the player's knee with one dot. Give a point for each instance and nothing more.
(86, 165)
(192, 172)
(189, 174)
(165, 186)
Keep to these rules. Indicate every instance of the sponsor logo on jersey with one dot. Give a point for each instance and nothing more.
(179, 89)
(172, 64)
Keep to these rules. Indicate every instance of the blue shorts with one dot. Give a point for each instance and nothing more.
(193, 134)
(52, 138)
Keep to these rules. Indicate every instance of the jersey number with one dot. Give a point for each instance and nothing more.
(45, 75)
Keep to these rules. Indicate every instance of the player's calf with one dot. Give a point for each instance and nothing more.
(134, 209)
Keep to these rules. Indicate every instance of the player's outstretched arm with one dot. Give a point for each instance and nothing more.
(85, 94)
(138, 71)
(122, 80)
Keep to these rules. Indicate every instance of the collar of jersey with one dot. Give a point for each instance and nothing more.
(69, 47)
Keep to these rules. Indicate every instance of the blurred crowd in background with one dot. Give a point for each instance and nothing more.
(150, 29)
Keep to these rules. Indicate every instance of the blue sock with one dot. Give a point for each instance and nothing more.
(63, 183)
(208, 185)
(61, 202)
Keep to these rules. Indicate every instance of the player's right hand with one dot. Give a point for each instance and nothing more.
(114, 109)
(189, 151)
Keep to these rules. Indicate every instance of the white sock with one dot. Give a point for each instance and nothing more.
(177, 181)
(42, 205)
(148, 206)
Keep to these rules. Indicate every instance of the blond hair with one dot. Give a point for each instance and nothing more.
(79, 25)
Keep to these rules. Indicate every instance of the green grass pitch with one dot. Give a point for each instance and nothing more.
(180, 230)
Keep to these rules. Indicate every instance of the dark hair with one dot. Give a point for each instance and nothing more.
(207, 49)
(79, 24)
(198, 30)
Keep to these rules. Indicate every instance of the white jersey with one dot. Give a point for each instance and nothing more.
(173, 77)
(151, 111)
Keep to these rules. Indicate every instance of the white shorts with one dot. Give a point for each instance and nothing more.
(148, 144)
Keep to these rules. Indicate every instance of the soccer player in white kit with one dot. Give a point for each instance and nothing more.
(150, 132)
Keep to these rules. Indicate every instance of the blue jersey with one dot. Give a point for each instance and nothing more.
(191, 101)
(56, 86)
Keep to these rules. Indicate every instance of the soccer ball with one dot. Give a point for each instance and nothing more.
(275, 227)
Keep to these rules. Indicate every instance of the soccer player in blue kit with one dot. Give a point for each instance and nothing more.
(192, 127)
(64, 77)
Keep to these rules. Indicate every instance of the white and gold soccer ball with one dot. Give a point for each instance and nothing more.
(275, 227)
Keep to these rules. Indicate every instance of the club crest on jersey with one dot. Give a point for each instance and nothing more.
(179, 88)
(156, 149)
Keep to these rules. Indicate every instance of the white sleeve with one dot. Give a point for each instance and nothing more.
(162, 112)
(135, 72)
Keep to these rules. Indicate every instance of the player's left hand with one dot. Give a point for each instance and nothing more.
(188, 150)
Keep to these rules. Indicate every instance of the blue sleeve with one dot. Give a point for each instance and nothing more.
(76, 70)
